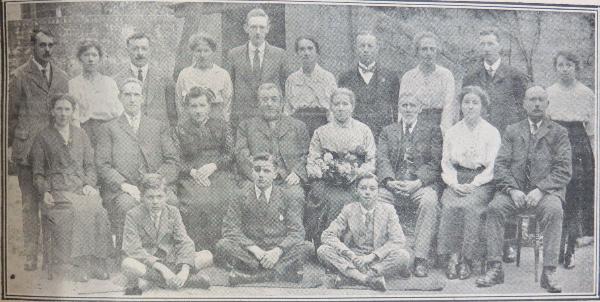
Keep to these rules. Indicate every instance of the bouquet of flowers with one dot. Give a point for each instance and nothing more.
(341, 168)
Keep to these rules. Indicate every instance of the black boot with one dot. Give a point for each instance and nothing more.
(421, 270)
(464, 269)
(236, 278)
(549, 281)
(493, 276)
(197, 281)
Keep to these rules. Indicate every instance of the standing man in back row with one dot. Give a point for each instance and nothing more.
(376, 87)
(252, 64)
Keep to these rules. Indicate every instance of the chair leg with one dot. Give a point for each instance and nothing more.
(536, 250)
(519, 240)
(48, 244)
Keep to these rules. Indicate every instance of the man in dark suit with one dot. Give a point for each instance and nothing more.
(263, 234)
(158, 88)
(157, 245)
(30, 88)
(128, 147)
(286, 138)
(252, 64)
(408, 162)
(504, 84)
(376, 87)
(532, 171)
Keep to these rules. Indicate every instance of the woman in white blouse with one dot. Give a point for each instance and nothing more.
(97, 94)
(206, 74)
(571, 104)
(470, 148)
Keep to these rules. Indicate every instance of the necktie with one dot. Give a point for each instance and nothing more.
(534, 128)
(45, 73)
(140, 75)
(155, 218)
(368, 219)
(263, 197)
(256, 63)
(490, 72)
(134, 124)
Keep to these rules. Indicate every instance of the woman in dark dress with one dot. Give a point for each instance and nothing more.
(571, 104)
(64, 173)
(206, 185)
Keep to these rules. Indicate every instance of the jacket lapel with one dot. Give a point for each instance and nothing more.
(246, 60)
(149, 224)
(37, 77)
(163, 225)
(544, 129)
(500, 73)
(378, 221)
(283, 127)
(267, 62)
(525, 131)
(124, 123)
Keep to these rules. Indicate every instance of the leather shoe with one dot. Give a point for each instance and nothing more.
(420, 269)
(493, 276)
(236, 278)
(548, 280)
(451, 271)
(30, 263)
(464, 270)
(100, 273)
(133, 291)
(376, 283)
(569, 261)
(197, 281)
(509, 255)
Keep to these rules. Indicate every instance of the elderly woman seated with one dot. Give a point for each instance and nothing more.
(373, 241)
(64, 173)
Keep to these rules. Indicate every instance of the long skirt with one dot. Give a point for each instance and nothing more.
(579, 201)
(462, 218)
(203, 208)
(324, 204)
(80, 226)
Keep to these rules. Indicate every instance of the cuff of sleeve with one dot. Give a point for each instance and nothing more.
(385, 182)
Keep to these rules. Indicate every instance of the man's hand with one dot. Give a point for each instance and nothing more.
(314, 171)
(199, 178)
(292, 179)
(271, 257)
(164, 271)
(206, 171)
(48, 199)
(256, 251)
(410, 186)
(534, 197)
(131, 190)
(89, 190)
(363, 261)
(180, 278)
(518, 198)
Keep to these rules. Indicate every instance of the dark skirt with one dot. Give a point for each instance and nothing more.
(462, 218)
(203, 208)
(579, 201)
(312, 117)
(324, 204)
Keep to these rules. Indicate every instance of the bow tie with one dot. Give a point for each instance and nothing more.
(366, 69)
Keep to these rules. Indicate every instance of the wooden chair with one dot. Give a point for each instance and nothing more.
(533, 224)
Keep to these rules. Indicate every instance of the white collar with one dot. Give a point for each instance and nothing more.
(39, 66)
(494, 66)
(412, 127)
(267, 191)
(252, 48)
(366, 67)
(538, 124)
(135, 69)
(365, 211)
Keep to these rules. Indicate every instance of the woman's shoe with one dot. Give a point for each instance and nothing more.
(569, 261)
(451, 271)
(464, 270)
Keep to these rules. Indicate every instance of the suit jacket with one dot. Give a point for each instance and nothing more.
(169, 243)
(244, 104)
(123, 156)
(377, 102)
(159, 91)
(506, 91)
(29, 100)
(278, 223)
(550, 159)
(426, 152)
(290, 139)
(387, 232)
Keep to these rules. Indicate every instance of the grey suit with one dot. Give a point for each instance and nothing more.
(245, 83)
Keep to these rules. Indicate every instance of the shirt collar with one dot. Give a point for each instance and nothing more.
(412, 127)
(135, 69)
(130, 118)
(494, 66)
(261, 48)
(348, 123)
(539, 124)
(39, 66)
(267, 192)
(365, 211)
(372, 65)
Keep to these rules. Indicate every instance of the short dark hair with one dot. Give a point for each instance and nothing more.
(257, 12)
(264, 156)
(362, 177)
(152, 181)
(35, 32)
(86, 44)
(268, 86)
(197, 91)
(199, 37)
(309, 38)
(138, 36)
(476, 90)
(63, 96)
(570, 56)
(344, 91)
(490, 31)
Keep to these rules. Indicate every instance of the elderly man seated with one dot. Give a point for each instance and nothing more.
(373, 241)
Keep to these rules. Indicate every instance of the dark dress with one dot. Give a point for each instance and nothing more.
(79, 222)
(202, 208)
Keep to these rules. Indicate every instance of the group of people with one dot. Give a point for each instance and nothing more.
(261, 169)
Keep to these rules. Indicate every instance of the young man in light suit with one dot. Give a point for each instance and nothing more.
(158, 88)
(252, 64)
(128, 147)
(157, 245)
(31, 86)
(365, 242)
